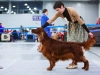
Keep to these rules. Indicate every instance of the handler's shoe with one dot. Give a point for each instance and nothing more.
(71, 66)
(1, 67)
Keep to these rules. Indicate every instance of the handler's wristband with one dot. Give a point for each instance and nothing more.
(85, 27)
(45, 25)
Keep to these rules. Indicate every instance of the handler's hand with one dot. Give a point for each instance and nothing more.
(91, 35)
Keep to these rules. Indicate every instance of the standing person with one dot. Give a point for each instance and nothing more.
(77, 32)
(1, 30)
(98, 21)
(22, 28)
(44, 19)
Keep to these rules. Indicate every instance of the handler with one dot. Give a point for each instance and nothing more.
(77, 30)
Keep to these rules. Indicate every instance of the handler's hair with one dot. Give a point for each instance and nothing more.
(58, 4)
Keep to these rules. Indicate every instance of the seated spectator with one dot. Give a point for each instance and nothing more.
(66, 26)
(15, 35)
(21, 28)
(7, 31)
(98, 21)
(1, 30)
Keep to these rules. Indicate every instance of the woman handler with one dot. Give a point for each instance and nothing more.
(77, 29)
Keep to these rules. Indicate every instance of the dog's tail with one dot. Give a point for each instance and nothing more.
(89, 43)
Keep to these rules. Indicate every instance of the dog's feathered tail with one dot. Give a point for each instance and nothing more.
(89, 43)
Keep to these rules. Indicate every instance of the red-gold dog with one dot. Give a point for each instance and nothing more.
(55, 50)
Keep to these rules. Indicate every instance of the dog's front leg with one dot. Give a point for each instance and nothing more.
(52, 64)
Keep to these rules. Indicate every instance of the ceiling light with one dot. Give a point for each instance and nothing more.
(28, 7)
(11, 11)
(31, 11)
(25, 4)
(14, 12)
(14, 6)
(2, 7)
(8, 11)
(35, 8)
(5, 8)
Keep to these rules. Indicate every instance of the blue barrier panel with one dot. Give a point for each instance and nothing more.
(89, 25)
(96, 30)
(92, 25)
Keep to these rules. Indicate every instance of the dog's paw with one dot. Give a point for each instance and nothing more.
(49, 69)
(83, 67)
(86, 69)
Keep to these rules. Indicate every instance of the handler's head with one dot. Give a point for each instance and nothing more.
(59, 6)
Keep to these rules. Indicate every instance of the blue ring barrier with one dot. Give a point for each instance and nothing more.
(95, 30)
(89, 25)
(93, 24)
(50, 26)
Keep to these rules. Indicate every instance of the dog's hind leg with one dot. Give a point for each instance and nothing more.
(52, 64)
(86, 63)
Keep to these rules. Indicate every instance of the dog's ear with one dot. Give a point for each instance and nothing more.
(41, 37)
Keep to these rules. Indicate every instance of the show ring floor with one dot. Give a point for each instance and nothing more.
(22, 58)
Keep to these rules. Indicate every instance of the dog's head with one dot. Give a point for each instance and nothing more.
(39, 32)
